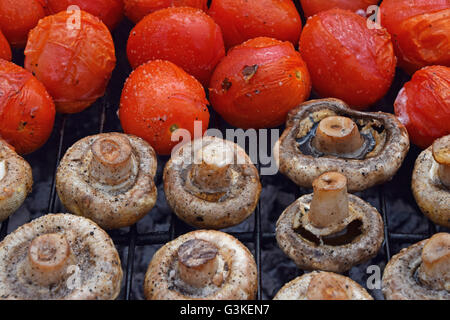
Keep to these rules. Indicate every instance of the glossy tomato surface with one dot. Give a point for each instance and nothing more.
(74, 63)
(311, 7)
(423, 105)
(109, 11)
(158, 98)
(18, 17)
(258, 82)
(27, 112)
(5, 49)
(241, 20)
(346, 59)
(420, 31)
(135, 10)
(185, 36)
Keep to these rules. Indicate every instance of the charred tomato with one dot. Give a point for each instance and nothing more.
(311, 7)
(5, 49)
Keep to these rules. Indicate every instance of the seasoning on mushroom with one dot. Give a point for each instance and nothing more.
(203, 264)
(59, 256)
(431, 181)
(420, 272)
(321, 285)
(211, 183)
(330, 229)
(325, 135)
(108, 178)
(16, 180)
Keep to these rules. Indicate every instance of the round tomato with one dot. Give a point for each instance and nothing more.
(135, 10)
(17, 18)
(27, 112)
(346, 59)
(241, 20)
(185, 36)
(311, 7)
(5, 49)
(420, 31)
(109, 11)
(158, 98)
(258, 82)
(423, 105)
(74, 62)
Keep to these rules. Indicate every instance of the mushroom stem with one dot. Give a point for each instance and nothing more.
(435, 268)
(111, 162)
(441, 153)
(210, 171)
(329, 204)
(49, 255)
(325, 286)
(197, 262)
(337, 135)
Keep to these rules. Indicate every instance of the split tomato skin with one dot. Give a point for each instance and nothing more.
(5, 49)
(109, 11)
(258, 82)
(74, 64)
(17, 18)
(311, 7)
(135, 10)
(423, 105)
(159, 98)
(241, 20)
(27, 112)
(346, 59)
(185, 36)
(420, 31)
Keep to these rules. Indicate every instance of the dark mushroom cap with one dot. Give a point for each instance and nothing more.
(94, 261)
(338, 252)
(235, 264)
(111, 206)
(209, 208)
(386, 145)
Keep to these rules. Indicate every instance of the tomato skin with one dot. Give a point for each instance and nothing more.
(259, 97)
(158, 98)
(423, 105)
(311, 7)
(5, 49)
(17, 18)
(27, 112)
(185, 36)
(241, 20)
(109, 11)
(346, 59)
(74, 65)
(135, 10)
(420, 31)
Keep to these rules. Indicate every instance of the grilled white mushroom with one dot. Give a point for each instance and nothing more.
(59, 256)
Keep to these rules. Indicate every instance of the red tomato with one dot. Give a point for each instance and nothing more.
(5, 49)
(241, 20)
(346, 59)
(258, 82)
(185, 36)
(109, 11)
(159, 98)
(135, 10)
(423, 105)
(420, 31)
(74, 64)
(311, 7)
(18, 17)
(27, 112)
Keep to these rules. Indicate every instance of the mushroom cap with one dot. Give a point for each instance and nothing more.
(400, 281)
(103, 203)
(96, 261)
(240, 272)
(235, 204)
(432, 197)
(16, 180)
(387, 144)
(330, 286)
(360, 241)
